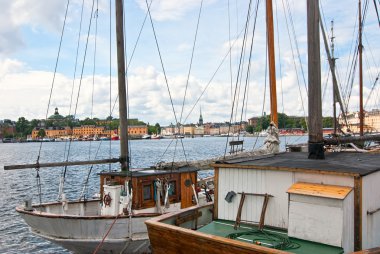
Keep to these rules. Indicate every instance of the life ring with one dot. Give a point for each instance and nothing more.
(107, 200)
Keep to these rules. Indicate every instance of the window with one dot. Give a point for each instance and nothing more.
(147, 195)
(172, 189)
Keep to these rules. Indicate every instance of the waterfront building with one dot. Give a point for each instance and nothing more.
(199, 130)
(188, 129)
(88, 131)
(137, 130)
(371, 121)
(52, 132)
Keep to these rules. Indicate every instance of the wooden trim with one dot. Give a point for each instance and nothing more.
(257, 167)
(166, 238)
(358, 213)
(216, 191)
(59, 164)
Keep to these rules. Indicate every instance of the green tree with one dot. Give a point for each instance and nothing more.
(41, 133)
(327, 122)
(22, 127)
(249, 128)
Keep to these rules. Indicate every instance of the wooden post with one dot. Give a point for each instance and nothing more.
(314, 72)
(272, 64)
(361, 112)
(123, 114)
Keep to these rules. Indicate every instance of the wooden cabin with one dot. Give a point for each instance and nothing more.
(142, 182)
(328, 206)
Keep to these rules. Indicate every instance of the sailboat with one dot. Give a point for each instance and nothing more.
(115, 222)
(295, 202)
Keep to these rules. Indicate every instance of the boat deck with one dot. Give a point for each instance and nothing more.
(271, 238)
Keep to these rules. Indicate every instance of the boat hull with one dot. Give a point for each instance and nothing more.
(82, 234)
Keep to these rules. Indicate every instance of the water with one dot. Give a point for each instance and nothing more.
(18, 185)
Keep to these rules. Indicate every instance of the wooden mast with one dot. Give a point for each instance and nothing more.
(333, 70)
(272, 64)
(361, 113)
(123, 114)
(316, 150)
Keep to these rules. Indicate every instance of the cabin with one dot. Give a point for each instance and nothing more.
(335, 201)
(143, 183)
(281, 203)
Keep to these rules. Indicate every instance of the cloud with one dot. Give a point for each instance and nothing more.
(171, 9)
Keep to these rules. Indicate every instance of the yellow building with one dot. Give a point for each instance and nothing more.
(371, 121)
(137, 130)
(52, 132)
(88, 131)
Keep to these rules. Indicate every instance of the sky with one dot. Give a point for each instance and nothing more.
(85, 81)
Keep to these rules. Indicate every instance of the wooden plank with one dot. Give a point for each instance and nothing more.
(320, 190)
(216, 191)
(188, 217)
(357, 213)
(166, 238)
(274, 168)
(60, 164)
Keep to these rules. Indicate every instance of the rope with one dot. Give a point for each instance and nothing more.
(109, 230)
(239, 68)
(280, 69)
(294, 61)
(277, 241)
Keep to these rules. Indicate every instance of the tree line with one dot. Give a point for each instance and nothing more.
(25, 127)
(286, 122)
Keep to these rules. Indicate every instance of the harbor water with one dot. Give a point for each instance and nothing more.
(19, 185)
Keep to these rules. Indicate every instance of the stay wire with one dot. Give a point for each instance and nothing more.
(55, 72)
(74, 77)
(191, 60)
(50, 96)
(377, 12)
(249, 67)
(294, 61)
(239, 67)
(81, 78)
(280, 67)
(164, 72)
(213, 75)
(133, 52)
(110, 85)
(92, 99)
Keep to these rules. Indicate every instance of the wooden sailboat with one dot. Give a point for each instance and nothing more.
(115, 222)
(313, 202)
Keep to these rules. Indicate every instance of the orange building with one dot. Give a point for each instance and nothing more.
(88, 131)
(52, 132)
(137, 130)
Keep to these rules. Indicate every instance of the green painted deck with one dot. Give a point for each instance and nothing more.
(268, 238)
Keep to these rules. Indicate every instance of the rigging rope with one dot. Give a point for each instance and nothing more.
(294, 61)
(50, 95)
(239, 68)
(164, 72)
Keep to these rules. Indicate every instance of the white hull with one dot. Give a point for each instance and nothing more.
(81, 228)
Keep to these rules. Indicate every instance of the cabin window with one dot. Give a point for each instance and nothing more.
(147, 195)
(172, 188)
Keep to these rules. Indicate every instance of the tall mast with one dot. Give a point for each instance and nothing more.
(124, 157)
(314, 75)
(272, 64)
(361, 115)
(333, 70)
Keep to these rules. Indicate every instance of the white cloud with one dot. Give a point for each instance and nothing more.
(171, 9)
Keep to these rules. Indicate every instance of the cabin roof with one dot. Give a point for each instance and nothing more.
(345, 162)
(320, 190)
(148, 172)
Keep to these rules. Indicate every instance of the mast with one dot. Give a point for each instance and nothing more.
(361, 115)
(333, 70)
(272, 64)
(314, 75)
(123, 114)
